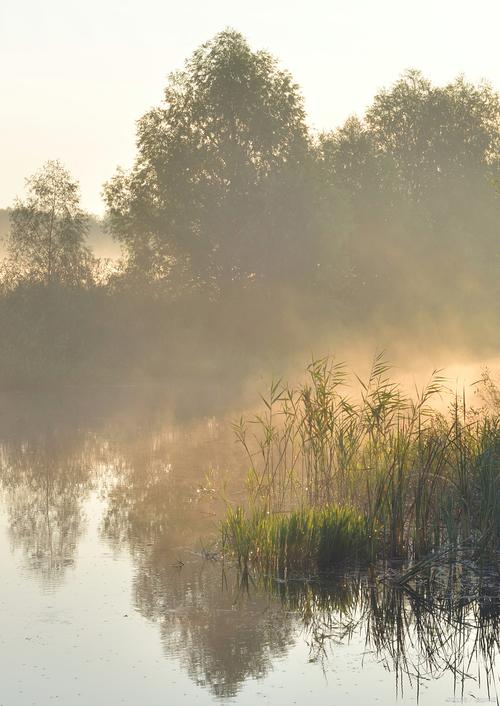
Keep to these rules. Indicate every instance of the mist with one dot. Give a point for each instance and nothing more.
(250, 413)
(241, 243)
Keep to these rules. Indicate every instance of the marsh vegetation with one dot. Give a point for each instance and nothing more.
(109, 527)
(341, 471)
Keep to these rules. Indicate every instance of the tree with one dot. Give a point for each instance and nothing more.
(218, 188)
(46, 243)
(437, 136)
(416, 176)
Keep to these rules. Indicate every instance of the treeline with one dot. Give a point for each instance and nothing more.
(244, 234)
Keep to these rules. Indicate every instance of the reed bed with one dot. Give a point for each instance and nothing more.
(341, 467)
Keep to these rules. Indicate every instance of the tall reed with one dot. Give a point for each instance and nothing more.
(417, 476)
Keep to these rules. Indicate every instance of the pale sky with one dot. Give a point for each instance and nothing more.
(75, 75)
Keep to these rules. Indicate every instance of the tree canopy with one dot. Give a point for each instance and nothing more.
(245, 231)
(46, 242)
(218, 185)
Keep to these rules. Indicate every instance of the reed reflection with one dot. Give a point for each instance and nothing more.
(445, 622)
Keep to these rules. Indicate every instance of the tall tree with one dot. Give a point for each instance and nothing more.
(46, 243)
(436, 135)
(417, 177)
(218, 188)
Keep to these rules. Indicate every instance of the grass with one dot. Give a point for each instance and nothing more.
(278, 543)
(338, 472)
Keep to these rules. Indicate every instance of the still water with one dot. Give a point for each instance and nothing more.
(111, 592)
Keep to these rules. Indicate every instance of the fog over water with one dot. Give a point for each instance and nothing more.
(109, 594)
(249, 415)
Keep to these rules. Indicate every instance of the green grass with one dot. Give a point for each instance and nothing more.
(305, 538)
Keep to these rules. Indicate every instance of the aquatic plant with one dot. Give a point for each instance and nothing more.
(327, 460)
(300, 539)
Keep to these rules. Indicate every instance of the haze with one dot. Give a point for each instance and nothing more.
(76, 77)
(249, 353)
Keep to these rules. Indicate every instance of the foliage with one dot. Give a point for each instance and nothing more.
(319, 537)
(247, 236)
(415, 183)
(218, 181)
(46, 243)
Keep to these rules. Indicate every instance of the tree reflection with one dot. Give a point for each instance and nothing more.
(163, 507)
(221, 632)
(168, 485)
(45, 481)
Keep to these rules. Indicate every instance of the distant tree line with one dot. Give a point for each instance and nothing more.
(393, 215)
(229, 184)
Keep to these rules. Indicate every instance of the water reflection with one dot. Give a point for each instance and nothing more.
(45, 482)
(446, 622)
(221, 632)
(164, 506)
(167, 487)
(158, 487)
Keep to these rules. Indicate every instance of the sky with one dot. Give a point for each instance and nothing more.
(75, 76)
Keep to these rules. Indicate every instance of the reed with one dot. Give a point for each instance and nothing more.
(336, 467)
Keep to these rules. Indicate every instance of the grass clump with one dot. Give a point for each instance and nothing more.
(302, 539)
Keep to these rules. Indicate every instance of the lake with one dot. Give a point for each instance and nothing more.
(113, 590)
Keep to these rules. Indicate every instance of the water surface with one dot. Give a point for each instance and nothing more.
(110, 593)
